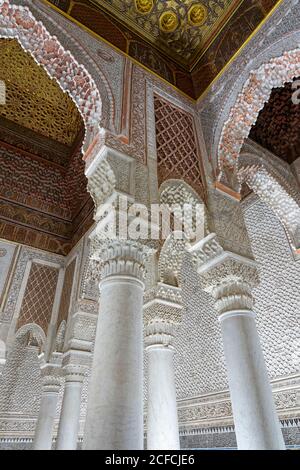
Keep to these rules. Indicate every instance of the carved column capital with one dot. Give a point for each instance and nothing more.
(121, 257)
(75, 365)
(83, 324)
(51, 373)
(162, 315)
(228, 277)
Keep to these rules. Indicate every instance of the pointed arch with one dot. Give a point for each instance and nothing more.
(31, 334)
(17, 22)
(250, 101)
(269, 185)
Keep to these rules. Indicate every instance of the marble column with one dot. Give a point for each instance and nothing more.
(230, 279)
(50, 390)
(115, 403)
(67, 438)
(256, 422)
(162, 314)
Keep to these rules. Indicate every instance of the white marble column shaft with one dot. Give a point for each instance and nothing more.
(230, 279)
(256, 422)
(162, 420)
(115, 403)
(45, 422)
(67, 438)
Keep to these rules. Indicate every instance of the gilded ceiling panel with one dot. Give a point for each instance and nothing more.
(180, 28)
(186, 42)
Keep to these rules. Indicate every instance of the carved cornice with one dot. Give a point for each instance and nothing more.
(206, 250)
(163, 293)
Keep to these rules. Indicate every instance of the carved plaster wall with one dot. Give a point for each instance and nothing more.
(20, 384)
(200, 370)
(199, 362)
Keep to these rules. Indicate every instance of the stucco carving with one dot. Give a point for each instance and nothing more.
(268, 185)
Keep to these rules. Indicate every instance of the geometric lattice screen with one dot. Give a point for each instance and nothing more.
(66, 293)
(177, 149)
(39, 296)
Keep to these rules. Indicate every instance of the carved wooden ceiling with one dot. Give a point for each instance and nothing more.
(186, 42)
(33, 100)
(277, 126)
(43, 197)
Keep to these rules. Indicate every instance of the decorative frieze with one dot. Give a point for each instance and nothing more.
(205, 412)
(215, 410)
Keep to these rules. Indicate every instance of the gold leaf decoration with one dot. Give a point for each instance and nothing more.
(197, 14)
(168, 21)
(144, 6)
